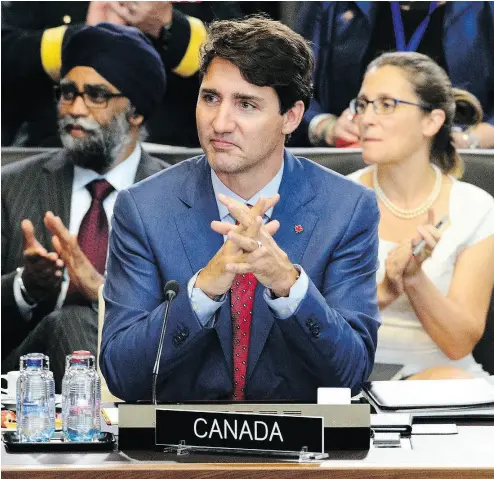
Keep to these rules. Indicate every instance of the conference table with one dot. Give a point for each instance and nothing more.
(469, 453)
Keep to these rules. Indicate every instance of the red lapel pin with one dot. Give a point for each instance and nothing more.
(298, 228)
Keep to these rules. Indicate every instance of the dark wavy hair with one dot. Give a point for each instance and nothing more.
(433, 87)
(267, 53)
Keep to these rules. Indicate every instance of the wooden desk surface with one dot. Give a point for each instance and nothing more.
(470, 453)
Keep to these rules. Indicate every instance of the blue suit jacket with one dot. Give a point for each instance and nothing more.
(161, 231)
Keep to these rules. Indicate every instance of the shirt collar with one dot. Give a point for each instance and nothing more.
(269, 190)
(120, 177)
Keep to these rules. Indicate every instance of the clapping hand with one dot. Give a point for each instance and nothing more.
(402, 264)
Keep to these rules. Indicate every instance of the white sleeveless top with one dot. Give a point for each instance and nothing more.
(401, 337)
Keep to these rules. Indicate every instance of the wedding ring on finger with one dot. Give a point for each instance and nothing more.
(259, 244)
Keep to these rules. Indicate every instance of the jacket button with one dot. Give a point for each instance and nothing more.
(310, 322)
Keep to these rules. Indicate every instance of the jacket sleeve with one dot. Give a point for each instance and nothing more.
(10, 312)
(308, 24)
(335, 327)
(31, 58)
(134, 310)
(489, 108)
(188, 32)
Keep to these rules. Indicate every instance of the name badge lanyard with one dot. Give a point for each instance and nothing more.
(414, 42)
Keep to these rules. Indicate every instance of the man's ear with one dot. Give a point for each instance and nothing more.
(293, 117)
(135, 118)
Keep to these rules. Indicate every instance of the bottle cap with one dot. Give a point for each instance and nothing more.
(32, 360)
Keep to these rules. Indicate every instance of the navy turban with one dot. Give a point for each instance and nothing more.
(124, 57)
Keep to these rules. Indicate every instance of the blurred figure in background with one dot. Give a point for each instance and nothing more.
(112, 78)
(32, 37)
(346, 36)
(433, 299)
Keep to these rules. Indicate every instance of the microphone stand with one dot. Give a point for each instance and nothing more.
(171, 295)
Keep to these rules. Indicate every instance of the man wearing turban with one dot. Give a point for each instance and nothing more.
(56, 207)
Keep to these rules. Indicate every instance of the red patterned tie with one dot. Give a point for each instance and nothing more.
(242, 302)
(93, 232)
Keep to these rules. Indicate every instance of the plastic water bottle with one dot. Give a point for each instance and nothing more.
(81, 398)
(35, 407)
(50, 385)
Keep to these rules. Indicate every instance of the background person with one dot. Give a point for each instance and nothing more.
(347, 36)
(63, 201)
(32, 37)
(434, 305)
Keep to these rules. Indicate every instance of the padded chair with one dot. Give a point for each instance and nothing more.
(106, 395)
(479, 171)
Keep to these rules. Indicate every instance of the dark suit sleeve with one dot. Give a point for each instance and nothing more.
(309, 23)
(26, 86)
(10, 311)
(23, 76)
(188, 32)
(134, 309)
(335, 330)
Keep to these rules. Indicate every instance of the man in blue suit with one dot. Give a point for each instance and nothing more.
(273, 307)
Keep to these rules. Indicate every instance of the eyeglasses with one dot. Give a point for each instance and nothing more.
(93, 96)
(382, 105)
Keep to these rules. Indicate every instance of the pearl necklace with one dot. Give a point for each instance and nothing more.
(413, 213)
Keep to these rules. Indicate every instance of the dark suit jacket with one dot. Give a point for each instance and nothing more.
(31, 187)
(329, 341)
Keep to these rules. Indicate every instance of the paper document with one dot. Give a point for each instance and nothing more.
(431, 394)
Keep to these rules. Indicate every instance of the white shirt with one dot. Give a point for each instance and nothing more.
(402, 338)
(121, 177)
(203, 305)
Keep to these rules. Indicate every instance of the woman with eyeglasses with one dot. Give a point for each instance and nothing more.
(436, 248)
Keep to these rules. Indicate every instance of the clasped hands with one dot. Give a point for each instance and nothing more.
(43, 270)
(249, 248)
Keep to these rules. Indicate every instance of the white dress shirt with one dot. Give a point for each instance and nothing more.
(205, 307)
(121, 177)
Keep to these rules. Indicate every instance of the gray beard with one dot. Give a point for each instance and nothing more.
(100, 150)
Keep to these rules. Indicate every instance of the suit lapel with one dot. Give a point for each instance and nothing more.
(296, 192)
(57, 187)
(200, 242)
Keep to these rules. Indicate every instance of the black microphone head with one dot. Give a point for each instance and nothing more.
(171, 289)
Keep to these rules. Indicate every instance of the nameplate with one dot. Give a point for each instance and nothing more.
(240, 431)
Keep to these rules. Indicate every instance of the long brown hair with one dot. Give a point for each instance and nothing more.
(433, 87)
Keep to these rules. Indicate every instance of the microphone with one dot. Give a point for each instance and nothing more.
(171, 290)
